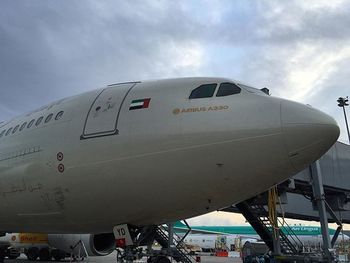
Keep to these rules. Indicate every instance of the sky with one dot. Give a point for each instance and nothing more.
(51, 49)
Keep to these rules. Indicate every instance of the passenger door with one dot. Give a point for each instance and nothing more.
(102, 118)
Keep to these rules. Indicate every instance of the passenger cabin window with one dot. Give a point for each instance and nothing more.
(8, 131)
(38, 121)
(227, 89)
(59, 115)
(23, 126)
(48, 118)
(30, 124)
(203, 91)
(15, 129)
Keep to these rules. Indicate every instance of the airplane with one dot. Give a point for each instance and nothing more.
(207, 237)
(144, 153)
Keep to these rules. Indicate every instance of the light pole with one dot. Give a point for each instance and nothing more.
(342, 102)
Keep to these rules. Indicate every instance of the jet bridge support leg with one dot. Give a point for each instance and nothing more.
(273, 217)
(339, 223)
(171, 235)
(319, 196)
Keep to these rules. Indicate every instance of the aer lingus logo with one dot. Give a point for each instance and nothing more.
(139, 104)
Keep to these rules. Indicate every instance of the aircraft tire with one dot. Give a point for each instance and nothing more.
(57, 254)
(162, 259)
(32, 253)
(44, 254)
(2, 254)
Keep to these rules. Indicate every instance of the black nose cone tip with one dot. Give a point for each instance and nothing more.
(309, 133)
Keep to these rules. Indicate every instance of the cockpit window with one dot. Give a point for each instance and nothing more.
(227, 89)
(203, 91)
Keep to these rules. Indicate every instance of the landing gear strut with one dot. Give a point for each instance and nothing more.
(158, 259)
(133, 253)
(2, 254)
(130, 238)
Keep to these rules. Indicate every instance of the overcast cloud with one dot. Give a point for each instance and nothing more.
(53, 49)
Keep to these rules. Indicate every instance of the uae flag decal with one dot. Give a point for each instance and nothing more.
(139, 104)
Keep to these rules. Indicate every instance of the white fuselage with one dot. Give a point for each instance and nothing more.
(101, 164)
(211, 241)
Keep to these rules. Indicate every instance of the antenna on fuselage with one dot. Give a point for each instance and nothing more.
(266, 91)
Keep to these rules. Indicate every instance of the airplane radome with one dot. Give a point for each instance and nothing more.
(145, 153)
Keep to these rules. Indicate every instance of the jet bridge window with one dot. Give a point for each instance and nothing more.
(227, 89)
(203, 91)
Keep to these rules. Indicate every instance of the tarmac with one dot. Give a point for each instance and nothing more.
(112, 259)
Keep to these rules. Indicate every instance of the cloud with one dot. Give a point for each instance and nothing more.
(299, 50)
(304, 71)
(54, 49)
(218, 219)
(295, 21)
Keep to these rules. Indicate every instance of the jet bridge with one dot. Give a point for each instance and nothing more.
(321, 192)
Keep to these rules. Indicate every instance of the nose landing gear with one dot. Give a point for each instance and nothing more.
(131, 239)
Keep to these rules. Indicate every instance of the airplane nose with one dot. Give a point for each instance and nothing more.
(308, 132)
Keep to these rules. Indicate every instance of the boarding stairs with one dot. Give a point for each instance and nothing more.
(257, 216)
(178, 250)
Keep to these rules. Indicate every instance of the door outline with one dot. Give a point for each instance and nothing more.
(111, 132)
